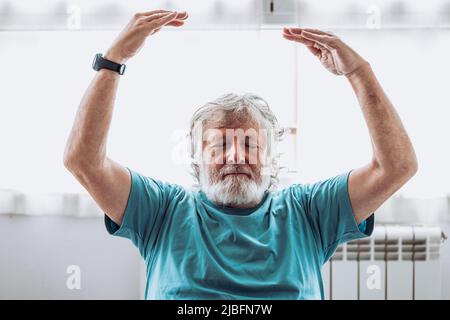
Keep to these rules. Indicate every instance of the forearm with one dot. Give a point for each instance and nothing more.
(393, 150)
(86, 145)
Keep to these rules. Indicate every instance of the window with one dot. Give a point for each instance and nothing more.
(333, 136)
(176, 72)
(45, 73)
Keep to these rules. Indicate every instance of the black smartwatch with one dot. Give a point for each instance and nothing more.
(102, 63)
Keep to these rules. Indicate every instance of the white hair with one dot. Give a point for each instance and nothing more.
(235, 104)
(237, 192)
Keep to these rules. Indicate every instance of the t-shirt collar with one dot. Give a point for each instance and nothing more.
(231, 210)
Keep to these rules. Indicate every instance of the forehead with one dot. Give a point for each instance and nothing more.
(231, 120)
(222, 124)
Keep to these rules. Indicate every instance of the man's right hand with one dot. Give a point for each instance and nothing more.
(142, 25)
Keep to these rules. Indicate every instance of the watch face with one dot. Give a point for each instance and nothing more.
(122, 69)
(94, 63)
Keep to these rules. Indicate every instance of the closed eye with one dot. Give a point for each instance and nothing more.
(249, 143)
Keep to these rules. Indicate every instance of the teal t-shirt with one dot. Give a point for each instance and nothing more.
(194, 249)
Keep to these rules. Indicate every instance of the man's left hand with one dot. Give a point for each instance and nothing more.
(333, 53)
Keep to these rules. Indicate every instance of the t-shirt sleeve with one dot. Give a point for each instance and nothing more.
(328, 206)
(145, 212)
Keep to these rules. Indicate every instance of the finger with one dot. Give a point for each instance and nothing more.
(156, 30)
(179, 15)
(322, 39)
(289, 36)
(320, 46)
(295, 31)
(149, 13)
(179, 21)
(175, 23)
(297, 38)
(317, 31)
(317, 48)
(182, 15)
(157, 16)
(299, 31)
(164, 19)
(314, 46)
(314, 50)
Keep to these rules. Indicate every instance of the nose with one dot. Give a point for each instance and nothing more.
(234, 154)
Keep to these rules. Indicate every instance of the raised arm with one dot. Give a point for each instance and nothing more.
(85, 154)
(394, 161)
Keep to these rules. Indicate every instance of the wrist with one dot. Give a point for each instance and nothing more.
(360, 72)
(114, 57)
(108, 62)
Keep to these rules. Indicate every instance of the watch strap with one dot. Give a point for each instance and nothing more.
(102, 63)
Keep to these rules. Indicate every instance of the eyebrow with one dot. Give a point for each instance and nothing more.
(222, 138)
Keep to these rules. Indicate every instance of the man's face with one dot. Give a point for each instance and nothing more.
(234, 154)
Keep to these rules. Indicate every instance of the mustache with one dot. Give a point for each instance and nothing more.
(235, 169)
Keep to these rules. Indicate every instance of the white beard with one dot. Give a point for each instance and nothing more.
(234, 191)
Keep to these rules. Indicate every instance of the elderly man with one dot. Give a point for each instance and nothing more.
(236, 236)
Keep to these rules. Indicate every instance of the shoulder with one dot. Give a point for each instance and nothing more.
(305, 192)
(306, 189)
(295, 191)
(293, 196)
(143, 183)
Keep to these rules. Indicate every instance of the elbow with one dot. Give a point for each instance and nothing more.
(407, 171)
(70, 159)
(410, 165)
(76, 158)
(403, 170)
(68, 155)
(75, 166)
(79, 164)
(414, 167)
(73, 162)
(70, 162)
(67, 160)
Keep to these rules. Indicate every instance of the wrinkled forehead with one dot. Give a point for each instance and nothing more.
(231, 120)
(240, 124)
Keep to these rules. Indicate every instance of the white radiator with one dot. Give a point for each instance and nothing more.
(395, 263)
